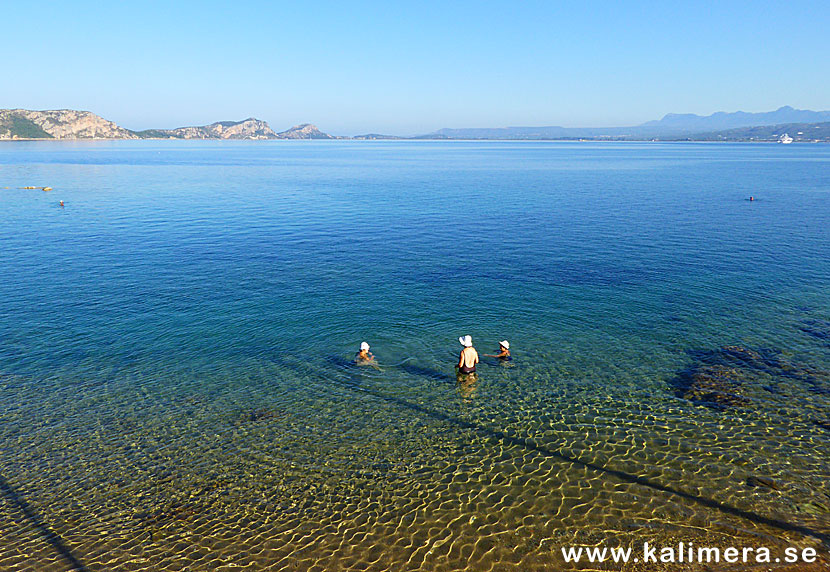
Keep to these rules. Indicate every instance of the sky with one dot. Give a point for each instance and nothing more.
(404, 68)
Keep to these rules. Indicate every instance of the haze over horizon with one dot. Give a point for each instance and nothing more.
(414, 68)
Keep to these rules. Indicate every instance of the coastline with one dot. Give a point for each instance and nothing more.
(416, 139)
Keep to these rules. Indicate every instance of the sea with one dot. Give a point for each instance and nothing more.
(177, 380)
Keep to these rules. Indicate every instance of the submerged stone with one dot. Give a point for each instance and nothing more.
(256, 414)
(716, 385)
(713, 378)
(764, 482)
(724, 378)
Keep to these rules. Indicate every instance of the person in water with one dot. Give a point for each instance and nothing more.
(504, 351)
(364, 356)
(468, 358)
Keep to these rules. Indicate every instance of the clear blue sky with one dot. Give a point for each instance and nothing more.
(413, 67)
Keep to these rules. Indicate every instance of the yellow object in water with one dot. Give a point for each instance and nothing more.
(47, 188)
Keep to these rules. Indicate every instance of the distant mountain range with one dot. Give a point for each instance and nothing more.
(801, 125)
(721, 121)
(71, 124)
(671, 127)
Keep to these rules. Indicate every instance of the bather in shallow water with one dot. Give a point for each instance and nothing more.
(504, 352)
(468, 358)
(364, 356)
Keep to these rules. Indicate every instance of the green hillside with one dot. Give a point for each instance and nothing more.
(154, 134)
(22, 128)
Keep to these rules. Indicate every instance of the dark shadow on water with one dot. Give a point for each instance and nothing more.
(618, 474)
(340, 362)
(343, 364)
(48, 535)
(421, 371)
(819, 329)
(351, 368)
(496, 362)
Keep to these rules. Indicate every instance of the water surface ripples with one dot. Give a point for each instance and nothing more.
(176, 386)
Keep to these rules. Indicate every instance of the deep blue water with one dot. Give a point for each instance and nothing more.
(192, 309)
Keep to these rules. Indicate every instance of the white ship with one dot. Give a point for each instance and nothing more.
(785, 138)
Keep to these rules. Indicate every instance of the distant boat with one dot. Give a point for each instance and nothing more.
(785, 139)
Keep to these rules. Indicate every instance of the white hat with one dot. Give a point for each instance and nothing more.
(466, 341)
(505, 344)
(364, 346)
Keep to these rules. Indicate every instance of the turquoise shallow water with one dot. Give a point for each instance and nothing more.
(175, 386)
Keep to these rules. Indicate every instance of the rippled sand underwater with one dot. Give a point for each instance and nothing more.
(352, 468)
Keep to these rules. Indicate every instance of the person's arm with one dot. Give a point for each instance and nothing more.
(475, 362)
(461, 359)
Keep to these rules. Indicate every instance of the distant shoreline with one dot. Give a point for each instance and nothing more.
(786, 125)
(412, 140)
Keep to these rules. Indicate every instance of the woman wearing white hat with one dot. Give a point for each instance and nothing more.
(468, 358)
(364, 356)
(504, 351)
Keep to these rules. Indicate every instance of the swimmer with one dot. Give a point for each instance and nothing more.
(61, 203)
(751, 198)
(504, 351)
(468, 358)
(364, 356)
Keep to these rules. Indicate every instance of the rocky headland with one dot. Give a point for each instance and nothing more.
(72, 124)
(305, 131)
(247, 129)
(58, 124)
